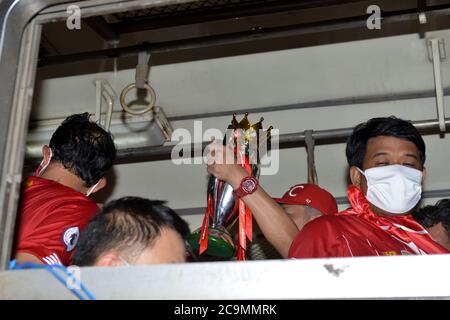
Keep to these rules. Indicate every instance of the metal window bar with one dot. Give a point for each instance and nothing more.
(285, 141)
(289, 140)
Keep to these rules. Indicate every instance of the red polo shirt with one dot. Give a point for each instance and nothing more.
(50, 219)
(358, 231)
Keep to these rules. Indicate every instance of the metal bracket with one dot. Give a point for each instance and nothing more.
(142, 69)
(435, 44)
(441, 49)
(422, 18)
(422, 5)
(163, 123)
(104, 90)
(310, 144)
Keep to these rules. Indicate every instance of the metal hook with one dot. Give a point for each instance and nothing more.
(150, 105)
(141, 82)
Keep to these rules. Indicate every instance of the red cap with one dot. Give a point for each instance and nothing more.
(310, 195)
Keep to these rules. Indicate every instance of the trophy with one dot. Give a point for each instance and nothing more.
(223, 209)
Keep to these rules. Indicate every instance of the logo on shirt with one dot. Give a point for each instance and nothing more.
(389, 253)
(71, 237)
(291, 192)
(52, 259)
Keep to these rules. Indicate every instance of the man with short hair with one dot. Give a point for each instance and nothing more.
(55, 204)
(436, 220)
(386, 157)
(133, 231)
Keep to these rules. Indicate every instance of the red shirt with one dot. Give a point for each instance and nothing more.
(50, 219)
(358, 231)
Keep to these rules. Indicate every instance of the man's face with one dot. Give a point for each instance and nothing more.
(385, 151)
(298, 214)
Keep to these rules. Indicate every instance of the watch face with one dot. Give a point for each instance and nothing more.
(248, 185)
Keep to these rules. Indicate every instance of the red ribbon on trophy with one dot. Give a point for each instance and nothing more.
(204, 233)
(223, 209)
(245, 216)
(245, 220)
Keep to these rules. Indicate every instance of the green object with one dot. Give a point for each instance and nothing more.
(220, 243)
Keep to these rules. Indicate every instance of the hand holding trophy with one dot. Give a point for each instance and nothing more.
(244, 142)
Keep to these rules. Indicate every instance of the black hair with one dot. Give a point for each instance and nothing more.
(128, 223)
(388, 126)
(430, 215)
(427, 216)
(83, 147)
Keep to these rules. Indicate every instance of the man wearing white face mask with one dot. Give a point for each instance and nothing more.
(386, 158)
(55, 205)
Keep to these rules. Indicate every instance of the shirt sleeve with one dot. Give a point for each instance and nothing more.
(55, 238)
(319, 239)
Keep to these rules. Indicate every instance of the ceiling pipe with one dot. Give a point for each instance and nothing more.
(288, 140)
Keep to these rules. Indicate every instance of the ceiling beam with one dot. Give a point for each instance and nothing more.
(102, 28)
(357, 24)
(214, 14)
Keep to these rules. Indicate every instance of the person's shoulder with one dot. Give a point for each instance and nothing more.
(316, 238)
(46, 188)
(327, 226)
(321, 227)
(63, 198)
(78, 201)
(329, 221)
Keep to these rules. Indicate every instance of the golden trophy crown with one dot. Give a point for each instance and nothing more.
(250, 130)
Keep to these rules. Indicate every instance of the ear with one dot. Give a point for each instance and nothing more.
(101, 184)
(424, 174)
(108, 260)
(355, 177)
(46, 153)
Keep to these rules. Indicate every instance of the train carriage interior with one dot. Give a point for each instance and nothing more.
(312, 70)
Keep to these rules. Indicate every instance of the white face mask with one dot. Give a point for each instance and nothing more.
(88, 193)
(125, 262)
(395, 188)
(40, 170)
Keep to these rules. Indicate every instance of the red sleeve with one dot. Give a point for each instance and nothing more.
(319, 238)
(53, 241)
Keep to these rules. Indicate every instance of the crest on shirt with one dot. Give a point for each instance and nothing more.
(293, 189)
(70, 238)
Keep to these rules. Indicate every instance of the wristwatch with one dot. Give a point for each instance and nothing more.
(247, 186)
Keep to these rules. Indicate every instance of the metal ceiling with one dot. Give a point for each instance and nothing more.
(198, 7)
(230, 27)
